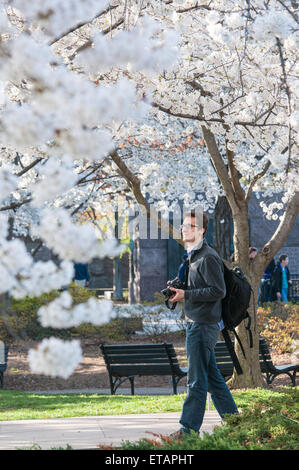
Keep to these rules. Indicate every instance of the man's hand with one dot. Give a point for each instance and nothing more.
(179, 294)
(278, 295)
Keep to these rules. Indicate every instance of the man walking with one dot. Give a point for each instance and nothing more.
(281, 280)
(204, 291)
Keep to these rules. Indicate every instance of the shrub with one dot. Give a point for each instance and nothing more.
(278, 323)
(21, 320)
(268, 421)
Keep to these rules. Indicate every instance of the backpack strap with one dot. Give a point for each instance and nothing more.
(239, 341)
(186, 274)
(231, 350)
(249, 330)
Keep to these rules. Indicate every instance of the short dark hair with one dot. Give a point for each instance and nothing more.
(282, 258)
(201, 218)
(252, 249)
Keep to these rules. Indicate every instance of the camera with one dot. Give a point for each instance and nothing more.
(176, 284)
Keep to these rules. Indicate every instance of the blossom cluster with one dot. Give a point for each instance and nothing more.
(55, 357)
(55, 179)
(71, 241)
(59, 314)
(22, 275)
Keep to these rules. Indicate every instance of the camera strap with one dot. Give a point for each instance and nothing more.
(186, 274)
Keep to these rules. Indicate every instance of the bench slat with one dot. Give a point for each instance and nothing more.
(140, 360)
(146, 369)
(128, 347)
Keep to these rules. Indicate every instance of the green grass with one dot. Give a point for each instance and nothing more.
(20, 405)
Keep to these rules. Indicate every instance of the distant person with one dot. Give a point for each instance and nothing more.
(252, 252)
(265, 286)
(82, 277)
(280, 280)
(182, 268)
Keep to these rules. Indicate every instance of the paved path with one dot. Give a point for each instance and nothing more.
(87, 432)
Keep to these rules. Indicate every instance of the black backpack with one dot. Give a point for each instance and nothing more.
(234, 309)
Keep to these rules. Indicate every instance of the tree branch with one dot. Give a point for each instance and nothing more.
(219, 120)
(79, 25)
(283, 230)
(15, 205)
(29, 167)
(219, 166)
(255, 179)
(134, 184)
(88, 43)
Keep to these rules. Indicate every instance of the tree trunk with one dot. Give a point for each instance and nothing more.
(252, 376)
(117, 277)
(222, 228)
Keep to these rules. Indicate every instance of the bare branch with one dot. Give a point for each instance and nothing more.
(134, 184)
(219, 120)
(79, 25)
(29, 167)
(255, 180)
(293, 15)
(219, 167)
(88, 43)
(15, 205)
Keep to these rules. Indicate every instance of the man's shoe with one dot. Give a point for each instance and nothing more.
(177, 435)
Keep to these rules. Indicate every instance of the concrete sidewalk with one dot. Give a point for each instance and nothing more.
(88, 432)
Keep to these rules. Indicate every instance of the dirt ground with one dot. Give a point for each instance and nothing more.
(92, 372)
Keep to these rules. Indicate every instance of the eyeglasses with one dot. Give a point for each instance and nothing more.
(189, 226)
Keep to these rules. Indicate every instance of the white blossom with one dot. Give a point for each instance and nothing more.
(59, 314)
(8, 182)
(55, 179)
(70, 241)
(55, 357)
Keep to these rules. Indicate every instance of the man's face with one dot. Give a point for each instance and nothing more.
(191, 232)
(285, 262)
(252, 254)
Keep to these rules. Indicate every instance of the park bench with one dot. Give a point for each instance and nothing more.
(226, 366)
(126, 361)
(3, 361)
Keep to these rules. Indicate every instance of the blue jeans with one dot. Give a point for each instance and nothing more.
(203, 377)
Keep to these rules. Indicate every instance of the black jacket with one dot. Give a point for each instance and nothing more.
(205, 286)
(276, 281)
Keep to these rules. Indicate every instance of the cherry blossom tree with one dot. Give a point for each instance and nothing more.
(54, 123)
(236, 84)
(236, 80)
(94, 94)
